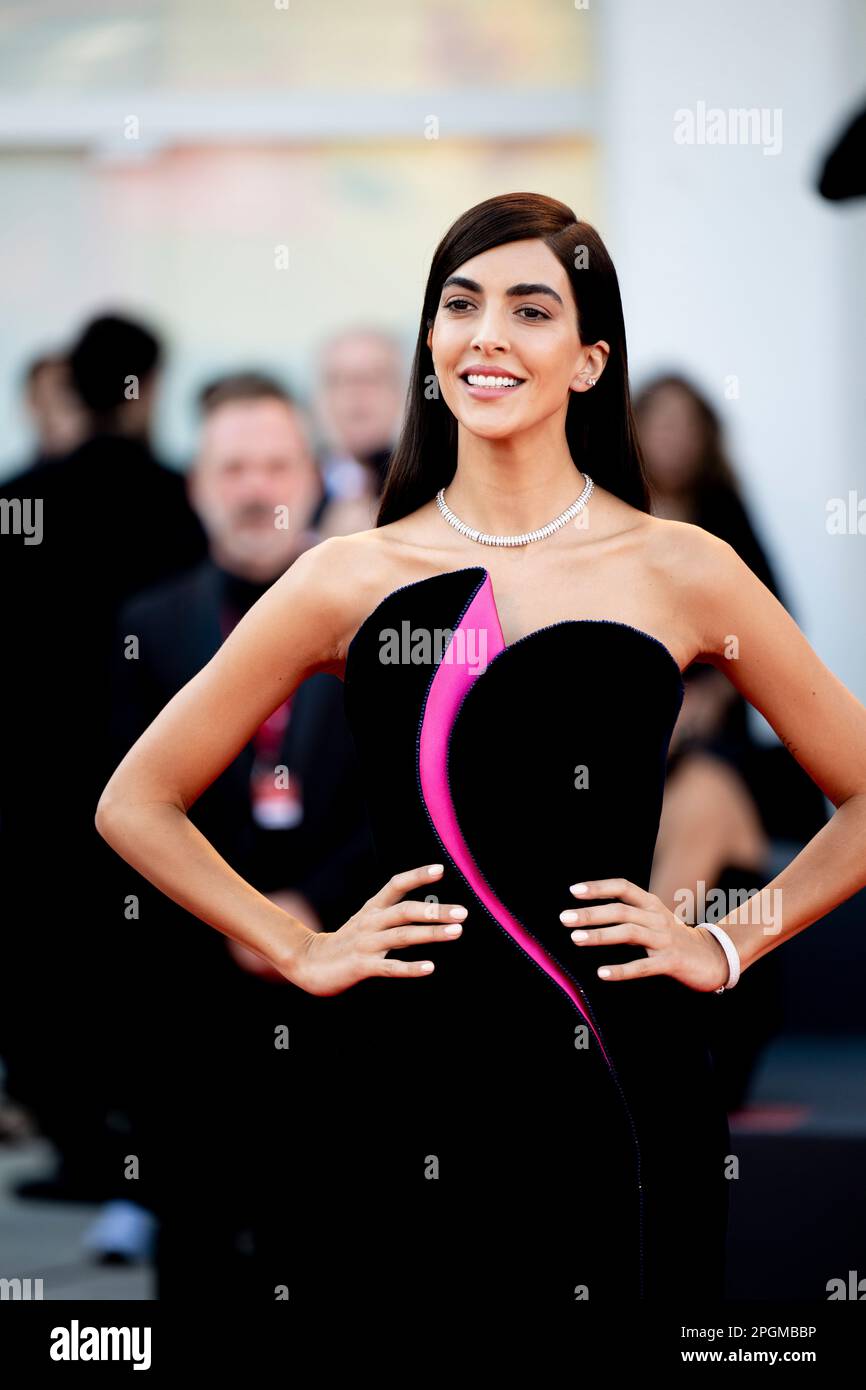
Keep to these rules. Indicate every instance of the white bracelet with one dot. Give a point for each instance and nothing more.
(730, 951)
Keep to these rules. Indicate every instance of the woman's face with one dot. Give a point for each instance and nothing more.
(510, 312)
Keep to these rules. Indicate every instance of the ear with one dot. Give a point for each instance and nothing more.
(594, 359)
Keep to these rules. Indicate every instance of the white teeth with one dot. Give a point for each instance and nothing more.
(492, 381)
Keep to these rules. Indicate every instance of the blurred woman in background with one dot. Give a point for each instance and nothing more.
(727, 796)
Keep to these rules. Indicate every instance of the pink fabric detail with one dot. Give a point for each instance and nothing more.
(452, 680)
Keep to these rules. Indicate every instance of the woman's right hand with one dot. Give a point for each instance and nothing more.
(334, 961)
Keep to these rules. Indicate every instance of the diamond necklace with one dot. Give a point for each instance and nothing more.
(485, 538)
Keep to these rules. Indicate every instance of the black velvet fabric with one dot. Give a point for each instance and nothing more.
(479, 1146)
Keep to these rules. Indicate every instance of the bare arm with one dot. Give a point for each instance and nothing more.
(737, 625)
(750, 636)
(289, 634)
(299, 627)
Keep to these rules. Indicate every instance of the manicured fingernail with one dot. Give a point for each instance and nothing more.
(578, 888)
(426, 966)
(434, 869)
(579, 935)
(604, 972)
(458, 912)
(568, 916)
(453, 931)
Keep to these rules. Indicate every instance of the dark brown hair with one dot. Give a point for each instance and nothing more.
(713, 467)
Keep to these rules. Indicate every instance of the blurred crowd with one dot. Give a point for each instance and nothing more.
(133, 1036)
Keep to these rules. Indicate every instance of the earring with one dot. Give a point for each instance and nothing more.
(590, 381)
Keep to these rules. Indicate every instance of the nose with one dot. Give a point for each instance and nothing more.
(491, 335)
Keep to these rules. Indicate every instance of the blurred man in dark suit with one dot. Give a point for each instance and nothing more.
(81, 533)
(287, 814)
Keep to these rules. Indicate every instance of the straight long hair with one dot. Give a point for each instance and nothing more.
(599, 425)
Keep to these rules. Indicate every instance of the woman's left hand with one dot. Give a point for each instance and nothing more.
(689, 954)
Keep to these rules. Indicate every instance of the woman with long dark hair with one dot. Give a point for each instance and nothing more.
(520, 1106)
(726, 794)
(691, 479)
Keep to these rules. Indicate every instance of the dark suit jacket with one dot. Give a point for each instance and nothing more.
(114, 521)
(328, 857)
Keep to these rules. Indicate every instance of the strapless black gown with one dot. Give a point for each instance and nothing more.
(511, 1129)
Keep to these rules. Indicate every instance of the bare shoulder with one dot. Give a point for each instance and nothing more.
(334, 585)
(703, 579)
(742, 629)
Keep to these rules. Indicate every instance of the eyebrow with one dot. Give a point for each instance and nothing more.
(514, 292)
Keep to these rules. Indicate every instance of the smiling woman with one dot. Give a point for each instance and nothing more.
(538, 1120)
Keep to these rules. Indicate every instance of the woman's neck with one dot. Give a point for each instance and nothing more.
(499, 491)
